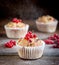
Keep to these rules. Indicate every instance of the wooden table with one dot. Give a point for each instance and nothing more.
(8, 57)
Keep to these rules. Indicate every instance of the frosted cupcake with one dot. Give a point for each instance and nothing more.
(46, 24)
(16, 28)
(30, 47)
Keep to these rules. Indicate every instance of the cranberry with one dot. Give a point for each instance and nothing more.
(31, 36)
(49, 41)
(14, 19)
(56, 35)
(34, 35)
(51, 37)
(27, 38)
(14, 42)
(54, 46)
(57, 40)
(27, 35)
(53, 40)
(58, 43)
(17, 21)
(9, 45)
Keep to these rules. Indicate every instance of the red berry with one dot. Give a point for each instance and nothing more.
(14, 19)
(57, 40)
(27, 35)
(51, 37)
(11, 41)
(9, 45)
(56, 35)
(46, 41)
(6, 44)
(27, 38)
(31, 36)
(54, 46)
(49, 41)
(58, 43)
(34, 35)
(14, 42)
(17, 21)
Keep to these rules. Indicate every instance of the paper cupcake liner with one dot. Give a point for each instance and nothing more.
(47, 27)
(31, 52)
(16, 33)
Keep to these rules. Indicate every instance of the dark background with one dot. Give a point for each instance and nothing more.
(28, 9)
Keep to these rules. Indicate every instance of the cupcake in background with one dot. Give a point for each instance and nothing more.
(30, 47)
(46, 23)
(16, 28)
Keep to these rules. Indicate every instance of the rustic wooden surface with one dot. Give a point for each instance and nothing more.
(15, 60)
(10, 56)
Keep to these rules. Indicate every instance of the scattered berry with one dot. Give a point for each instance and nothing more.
(54, 39)
(56, 35)
(49, 41)
(10, 44)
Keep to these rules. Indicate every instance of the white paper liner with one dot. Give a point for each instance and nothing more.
(31, 52)
(47, 27)
(16, 32)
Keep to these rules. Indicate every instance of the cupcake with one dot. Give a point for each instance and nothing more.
(16, 28)
(46, 24)
(30, 47)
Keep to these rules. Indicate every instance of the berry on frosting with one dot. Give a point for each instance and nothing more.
(34, 35)
(16, 20)
(29, 36)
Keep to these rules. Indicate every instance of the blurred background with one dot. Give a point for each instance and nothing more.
(27, 9)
